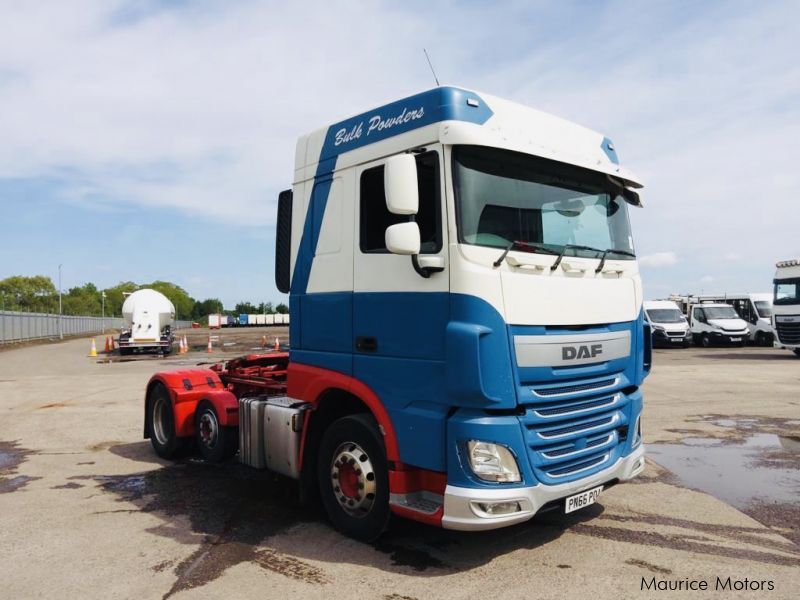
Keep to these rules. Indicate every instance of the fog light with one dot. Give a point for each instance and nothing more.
(492, 462)
(498, 508)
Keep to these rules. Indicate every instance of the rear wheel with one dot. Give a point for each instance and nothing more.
(216, 442)
(353, 477)
(161, 424)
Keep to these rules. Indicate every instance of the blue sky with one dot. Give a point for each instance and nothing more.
(149, 140)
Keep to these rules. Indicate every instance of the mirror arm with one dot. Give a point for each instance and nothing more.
(425, 272)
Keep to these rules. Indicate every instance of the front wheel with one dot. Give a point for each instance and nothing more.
(353, 477)
(796, 352)
(705, 340)
(161, 424)
(216, 442)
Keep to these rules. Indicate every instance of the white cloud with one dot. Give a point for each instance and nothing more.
(659, 259)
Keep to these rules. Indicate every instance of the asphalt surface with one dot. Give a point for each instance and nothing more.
(88, 511)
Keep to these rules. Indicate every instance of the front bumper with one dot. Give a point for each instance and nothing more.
(725, 337)
(661, 338)
(459, 501)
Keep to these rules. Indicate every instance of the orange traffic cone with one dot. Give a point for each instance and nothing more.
(263, 341)
(277, 345)
(210, 348)
(185, 345)
(93, 351)
(180, 345)
(108, 345)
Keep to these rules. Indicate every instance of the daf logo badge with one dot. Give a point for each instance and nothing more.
(576, 352)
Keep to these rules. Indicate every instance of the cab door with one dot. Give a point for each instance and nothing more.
(400, 316)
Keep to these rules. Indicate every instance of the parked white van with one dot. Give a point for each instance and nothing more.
(717, 323)
(669, 325)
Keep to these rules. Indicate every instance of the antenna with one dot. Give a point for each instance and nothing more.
(431, 66)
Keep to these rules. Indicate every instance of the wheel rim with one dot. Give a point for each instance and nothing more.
(159, 421)
(208, 428)
(705, 341)
(353, 479)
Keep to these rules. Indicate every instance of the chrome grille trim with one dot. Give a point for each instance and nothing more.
(579, 429)
(591, 465)
(594, 446)
(586, 406)
(575, 389)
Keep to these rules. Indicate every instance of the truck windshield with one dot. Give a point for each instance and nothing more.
(764, 308)
(504, 197)
(787, 291)
(665, 315)
(720, 312)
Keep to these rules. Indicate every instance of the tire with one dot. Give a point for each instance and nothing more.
(705, 341)
(161, 424)
(216, 442)
(796, 352)
(760, 339)
(353, 477)
(687, 343)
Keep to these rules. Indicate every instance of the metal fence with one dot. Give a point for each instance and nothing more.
(21, 326)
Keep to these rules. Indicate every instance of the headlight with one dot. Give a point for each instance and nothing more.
(492, 462)
(658, 328)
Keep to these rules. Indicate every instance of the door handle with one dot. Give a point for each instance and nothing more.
(366, 344)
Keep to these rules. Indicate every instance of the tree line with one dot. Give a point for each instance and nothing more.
(39, 294)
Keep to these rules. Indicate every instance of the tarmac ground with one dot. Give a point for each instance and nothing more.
(88, 511)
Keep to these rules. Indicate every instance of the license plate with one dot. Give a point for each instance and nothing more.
(736, 339)
(582, 500)
(673, 340)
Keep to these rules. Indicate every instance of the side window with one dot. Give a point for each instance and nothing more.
(375, 217)
(698, 315)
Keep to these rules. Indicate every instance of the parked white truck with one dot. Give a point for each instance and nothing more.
(148, 320)
(786, 305)
(670, 327)
(753, 308)
(716, 323)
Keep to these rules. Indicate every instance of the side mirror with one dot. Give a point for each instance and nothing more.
(400, 185)
(403, 238)
(632, 196)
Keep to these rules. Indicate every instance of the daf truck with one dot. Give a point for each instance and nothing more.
(468, 345)
(786, 305)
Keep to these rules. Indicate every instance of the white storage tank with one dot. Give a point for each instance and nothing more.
(148, 318)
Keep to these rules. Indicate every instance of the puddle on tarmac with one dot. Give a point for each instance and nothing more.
(759, 469)
(756, 469)
(11, 455)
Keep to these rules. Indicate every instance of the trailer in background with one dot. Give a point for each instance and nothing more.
(242, 320)
(215, 321)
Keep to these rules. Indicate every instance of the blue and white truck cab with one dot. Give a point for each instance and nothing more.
(467, 337)
(468, 263)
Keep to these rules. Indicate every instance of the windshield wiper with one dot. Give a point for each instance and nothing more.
(519, 244)
(566, 247)
(615, 251)
(603, 254)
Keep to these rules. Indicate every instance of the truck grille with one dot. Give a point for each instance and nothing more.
(575, 429)
(571, 389)
(788, 333)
